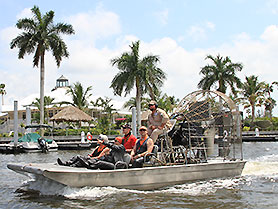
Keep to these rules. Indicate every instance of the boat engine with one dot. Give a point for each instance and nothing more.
(43, 144)
(207, 125)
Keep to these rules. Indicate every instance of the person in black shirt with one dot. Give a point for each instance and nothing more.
(143, 146)
(75, 161)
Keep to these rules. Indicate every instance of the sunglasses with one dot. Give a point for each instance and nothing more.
(142, 130)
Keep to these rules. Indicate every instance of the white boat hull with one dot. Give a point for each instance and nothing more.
(35, 147)
(137, 178)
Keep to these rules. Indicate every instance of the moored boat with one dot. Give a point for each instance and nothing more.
(33, 142)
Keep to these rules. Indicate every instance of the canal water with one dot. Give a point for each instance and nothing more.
(256, 188)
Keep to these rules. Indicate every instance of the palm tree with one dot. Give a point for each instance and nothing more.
(222, 73)
(143, 74)
(104, 103)
(41, 35)
(132, 102)
(105, 120)
(167, 103)
(79, 95)
(269, 101)
(253, 95)
(2, 91)
(47, 102)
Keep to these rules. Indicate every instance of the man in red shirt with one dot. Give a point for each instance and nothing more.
(129, 139)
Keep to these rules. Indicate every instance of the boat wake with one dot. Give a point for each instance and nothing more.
(262, 166)
(92, 193)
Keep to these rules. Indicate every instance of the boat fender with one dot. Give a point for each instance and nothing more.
(89, 137)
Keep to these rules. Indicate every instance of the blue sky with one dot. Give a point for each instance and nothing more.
(181, 32)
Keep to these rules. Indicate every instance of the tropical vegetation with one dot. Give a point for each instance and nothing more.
(253, 93)
(220, 74)
(132, 103)
(2, 91)
(40, 35)
(269, 102)
(143, 74)
(48, 101)
(80, 96)
(104, 121)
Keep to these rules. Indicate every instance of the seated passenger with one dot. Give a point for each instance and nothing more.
(96, 152)
(143, 146)
(106, 159)
(75, 161)
(129, 139)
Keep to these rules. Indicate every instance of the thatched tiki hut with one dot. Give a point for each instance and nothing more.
(71, 114)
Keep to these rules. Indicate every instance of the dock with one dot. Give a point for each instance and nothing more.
(264, 136)
(74, 142)
(63, 142)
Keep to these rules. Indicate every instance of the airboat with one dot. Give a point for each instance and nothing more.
(204, 142)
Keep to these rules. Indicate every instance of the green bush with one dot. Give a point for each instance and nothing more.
(275, 122)
(263, 124)
(259, 121)
(5, 134)
(247, 123)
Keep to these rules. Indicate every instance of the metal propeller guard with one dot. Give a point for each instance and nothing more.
(206, 125)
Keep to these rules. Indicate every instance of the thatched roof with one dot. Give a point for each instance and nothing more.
(71, 114)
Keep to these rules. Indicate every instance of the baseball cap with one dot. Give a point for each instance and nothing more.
(143, 128)
(152, 102)
(126, 126)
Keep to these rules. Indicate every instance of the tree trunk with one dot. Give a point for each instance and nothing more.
(253, 113)
(138, 104)
(42, 92)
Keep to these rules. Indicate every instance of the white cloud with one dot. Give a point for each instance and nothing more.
(7, 34)
(242, 37)
(272, 5)
(270, 33)
(210, 25)
(25, 13)
(95, 25)
(162, 16)
(199, 32)
(91, 65)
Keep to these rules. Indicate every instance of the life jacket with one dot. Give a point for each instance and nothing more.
(97, 151)
(125, 140)
(141, 148)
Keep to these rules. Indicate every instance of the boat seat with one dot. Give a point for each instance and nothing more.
(149, 156)
(165, 132)
(127, 158)
(126, 162)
